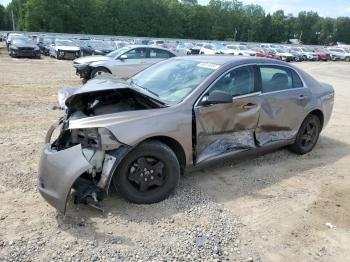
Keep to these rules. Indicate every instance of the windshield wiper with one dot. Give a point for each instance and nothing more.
(132, 82)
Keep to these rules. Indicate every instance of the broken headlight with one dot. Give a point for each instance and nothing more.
(95, 138)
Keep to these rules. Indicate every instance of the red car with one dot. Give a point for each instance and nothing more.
(322, 56)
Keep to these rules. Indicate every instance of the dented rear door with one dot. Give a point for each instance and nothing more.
(228, 128)
(285, 98)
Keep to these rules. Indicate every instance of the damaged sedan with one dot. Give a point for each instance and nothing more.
(140, 135)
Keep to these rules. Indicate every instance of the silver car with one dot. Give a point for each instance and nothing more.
(122, 63)
(140, 135)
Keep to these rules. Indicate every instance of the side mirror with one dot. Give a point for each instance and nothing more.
(217, 97)
(123, 57)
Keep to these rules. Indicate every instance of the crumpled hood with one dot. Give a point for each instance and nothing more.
(67, 48)
(112, 119)
(95, 85)
(91, 59)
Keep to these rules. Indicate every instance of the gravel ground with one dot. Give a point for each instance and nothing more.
(266, 208)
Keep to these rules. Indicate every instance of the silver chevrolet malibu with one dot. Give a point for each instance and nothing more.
(139, 136)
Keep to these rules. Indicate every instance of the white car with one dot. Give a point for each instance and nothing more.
(183, 49)
(342, 53)
(122, 63)
(157, 43)
(64, 49)
(209, 49)
(241, 50)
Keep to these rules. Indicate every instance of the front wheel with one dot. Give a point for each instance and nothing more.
(307, 136)
(148, 174)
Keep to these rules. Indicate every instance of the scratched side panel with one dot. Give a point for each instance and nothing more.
(281, 115)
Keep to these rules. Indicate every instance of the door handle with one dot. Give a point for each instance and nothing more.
(249, 106)
(302, 97)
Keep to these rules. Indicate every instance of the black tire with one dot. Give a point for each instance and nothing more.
(347, 59)
(307, 136)
(99, 71)
(129, 180)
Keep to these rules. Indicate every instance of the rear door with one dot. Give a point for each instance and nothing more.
(228, 128)
(156, 55)
(284, 100)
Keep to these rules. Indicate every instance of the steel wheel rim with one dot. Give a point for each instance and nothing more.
(309, 134)
(146, 174)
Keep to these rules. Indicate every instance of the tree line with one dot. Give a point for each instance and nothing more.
(219, 20)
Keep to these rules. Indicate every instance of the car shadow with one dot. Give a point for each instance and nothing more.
(218, 183)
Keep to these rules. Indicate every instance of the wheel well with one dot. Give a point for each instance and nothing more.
(99, 67)
(319, 114)
(176, 147)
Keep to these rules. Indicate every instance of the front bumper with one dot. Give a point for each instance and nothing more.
(82, 70)
(58, 170)
(26, 52)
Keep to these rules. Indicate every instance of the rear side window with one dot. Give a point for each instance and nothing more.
(297, 83)
(159, 53)
(275, 78)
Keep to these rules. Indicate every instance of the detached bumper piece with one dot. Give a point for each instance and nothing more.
(58, 171)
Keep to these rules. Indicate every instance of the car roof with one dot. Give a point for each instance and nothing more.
(229, 59)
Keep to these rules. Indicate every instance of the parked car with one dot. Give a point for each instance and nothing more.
(297, 54)
(45, 43)
(95, 47)
(11, 36)
(242, 50)
(223, 49)
(323, 54)
(140, 135)
(209, 49)
(23, 47)
(184, 49)
(122, 63)
(64, 49)
(339, 54)
(283, 54)
(160, 43)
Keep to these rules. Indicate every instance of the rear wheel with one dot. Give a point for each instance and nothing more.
(148, 174)
(99, 71)
(307, 136)
(347, 59)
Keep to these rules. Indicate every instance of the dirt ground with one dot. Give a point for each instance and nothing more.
(283, 201)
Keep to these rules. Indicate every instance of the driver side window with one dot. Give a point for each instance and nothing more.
(239, 81)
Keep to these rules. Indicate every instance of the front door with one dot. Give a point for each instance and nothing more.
(228, 128)
(134, 63)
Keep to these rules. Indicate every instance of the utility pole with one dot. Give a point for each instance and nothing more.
(13, 21)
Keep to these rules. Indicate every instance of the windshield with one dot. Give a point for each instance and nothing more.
(220, 46)
(118, 52)
(172, 80)
(22, 41)
(101, 45)
(65, 43)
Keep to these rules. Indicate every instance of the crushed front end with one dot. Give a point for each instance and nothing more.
(80, 159)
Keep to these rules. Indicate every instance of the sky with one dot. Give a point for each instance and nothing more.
(331, 8)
